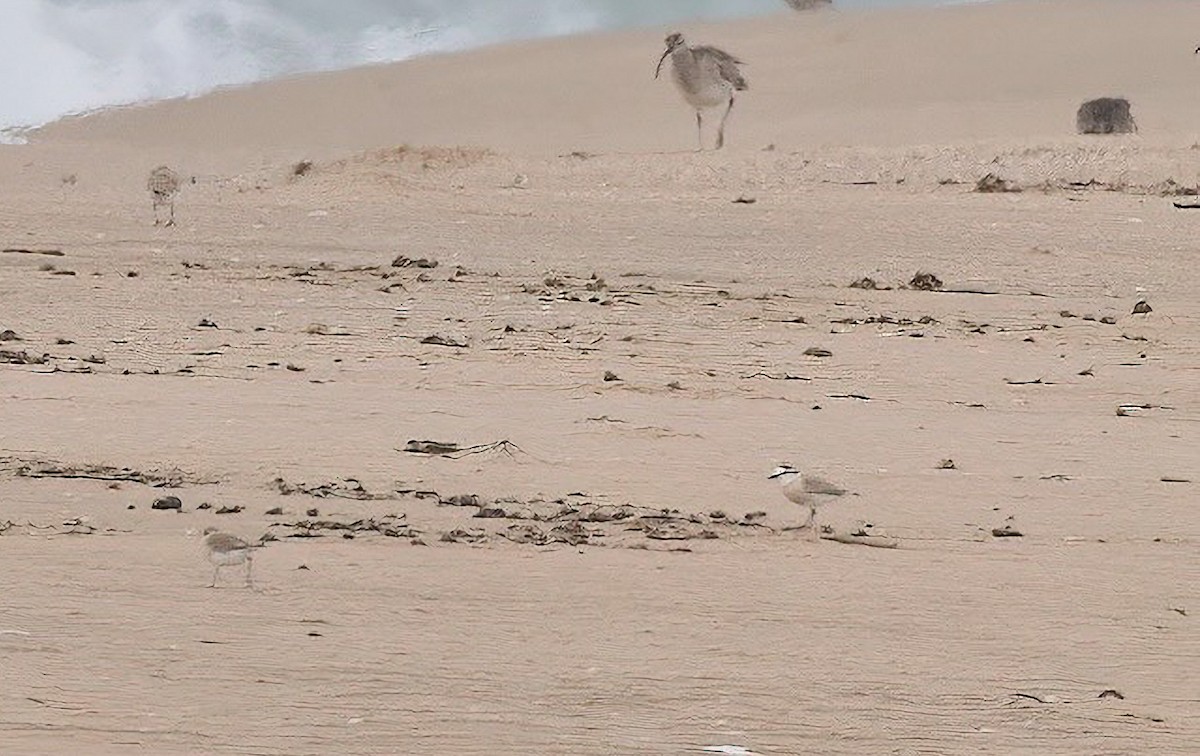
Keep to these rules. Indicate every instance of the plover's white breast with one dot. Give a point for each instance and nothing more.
(225, 550)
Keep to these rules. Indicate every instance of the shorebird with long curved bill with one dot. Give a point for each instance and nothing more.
(707, 77)
(809, 491)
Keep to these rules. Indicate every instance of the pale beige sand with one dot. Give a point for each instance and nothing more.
(954, 642)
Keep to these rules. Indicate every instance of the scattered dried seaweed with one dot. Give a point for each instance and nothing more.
(561, 288)
(430, 447)
(924, 281)
(389, 525)
(868, 284)
(10, 357)
(446, 341)
(571, 534)
(454, 451)
(403, 261)
(348, 488)
(73, 526)
(886, 320)
(320, 329)
(993, 184)
(575, 520)
(460, 535)
(169, 478)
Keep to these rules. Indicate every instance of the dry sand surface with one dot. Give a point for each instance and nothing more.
(602, 583)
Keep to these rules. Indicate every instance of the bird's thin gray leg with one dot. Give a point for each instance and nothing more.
(813, 532)
(699, 131)
(171, 222)
(216, 569)
(249, 579)
(721, 130)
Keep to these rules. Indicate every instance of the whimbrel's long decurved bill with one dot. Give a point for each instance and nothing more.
(667, 52)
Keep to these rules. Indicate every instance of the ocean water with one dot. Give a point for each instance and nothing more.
(59, 57)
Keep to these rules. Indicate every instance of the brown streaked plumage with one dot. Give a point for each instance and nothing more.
(706, 77)
(163, 184)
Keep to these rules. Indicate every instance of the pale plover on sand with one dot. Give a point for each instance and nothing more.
(706, 77)
(809, 491)
(225, 550)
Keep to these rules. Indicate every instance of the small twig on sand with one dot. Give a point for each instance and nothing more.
(24, 251)
(506, 446)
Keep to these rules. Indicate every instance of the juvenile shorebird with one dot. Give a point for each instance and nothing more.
(163, 184)
(809, 491)
(225, 550)
(706, 77)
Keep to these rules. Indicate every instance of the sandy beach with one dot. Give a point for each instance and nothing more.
(518, 253)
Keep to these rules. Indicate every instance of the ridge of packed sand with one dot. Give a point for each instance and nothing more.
(651, 330)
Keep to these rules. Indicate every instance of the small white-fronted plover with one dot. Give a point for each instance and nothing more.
(809, 491)
(225, 550)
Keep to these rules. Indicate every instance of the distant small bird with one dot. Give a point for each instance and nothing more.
(809, 491)
(225, 550)
(706, 77)
(808, 5)
(163, 184)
